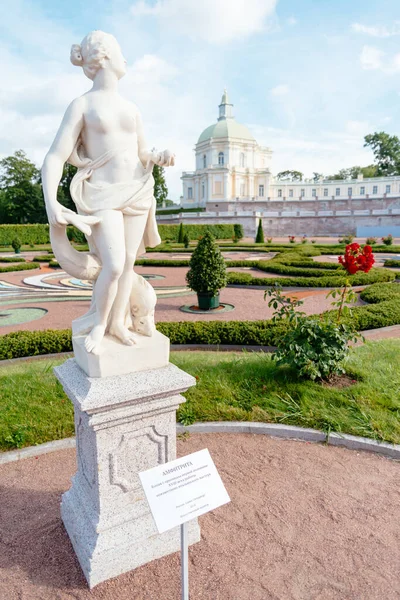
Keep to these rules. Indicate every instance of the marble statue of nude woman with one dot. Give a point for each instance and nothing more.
(113, 190)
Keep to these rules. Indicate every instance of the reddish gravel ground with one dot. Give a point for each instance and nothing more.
(306, 522)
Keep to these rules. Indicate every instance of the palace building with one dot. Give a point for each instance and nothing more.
(233, 178)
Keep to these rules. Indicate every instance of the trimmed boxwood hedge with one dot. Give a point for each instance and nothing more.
(220, 232)
(28, 234)
(374, 276)
(392, 263)
(383, 310)
(20, 267)
(44, 258)
(12, 259)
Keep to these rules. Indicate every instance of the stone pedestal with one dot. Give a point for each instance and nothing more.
(124, 424)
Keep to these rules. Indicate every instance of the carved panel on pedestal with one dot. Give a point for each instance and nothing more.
(137, 451)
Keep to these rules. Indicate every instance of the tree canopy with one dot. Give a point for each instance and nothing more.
(21, 199)
(386, 149)
(290, 176)
(160, 186)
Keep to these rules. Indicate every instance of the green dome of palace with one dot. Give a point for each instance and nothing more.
(226, 126)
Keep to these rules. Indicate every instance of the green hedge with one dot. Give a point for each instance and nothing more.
(392, 263)
(12, 259)
(32, 343)
(374, 276)
(20, 267)
(383, 310)
(44, 258)
(220, 232)
(28, 234)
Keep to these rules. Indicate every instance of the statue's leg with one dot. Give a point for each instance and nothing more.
(134, 229)
(109, 239)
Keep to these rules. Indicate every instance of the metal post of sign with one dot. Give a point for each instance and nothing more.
(185, 561)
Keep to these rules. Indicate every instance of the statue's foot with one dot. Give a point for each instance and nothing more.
(94, 339)
(122, 333)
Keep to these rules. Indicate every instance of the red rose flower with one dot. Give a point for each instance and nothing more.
(357, 259)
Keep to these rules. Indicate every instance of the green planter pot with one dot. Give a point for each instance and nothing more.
(207, 300)
(18, 251)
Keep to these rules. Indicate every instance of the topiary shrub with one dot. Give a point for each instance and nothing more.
(260, 233)
(181, 234)
(16, 244)
(238, 232)
(186, 240)
(207, 274)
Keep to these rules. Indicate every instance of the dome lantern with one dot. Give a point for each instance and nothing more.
(225, 108)
(226, 125)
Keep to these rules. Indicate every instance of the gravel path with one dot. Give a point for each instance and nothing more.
(306, 522)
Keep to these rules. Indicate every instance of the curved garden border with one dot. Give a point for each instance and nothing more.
(289, 432)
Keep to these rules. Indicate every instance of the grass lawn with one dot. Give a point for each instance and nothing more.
(232, 387)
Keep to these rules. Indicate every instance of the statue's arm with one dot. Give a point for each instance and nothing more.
(58, 154)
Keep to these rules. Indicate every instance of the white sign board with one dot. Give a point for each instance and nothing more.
(183, 489)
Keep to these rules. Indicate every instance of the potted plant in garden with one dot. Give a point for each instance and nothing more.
(16, 244)
(207, 274)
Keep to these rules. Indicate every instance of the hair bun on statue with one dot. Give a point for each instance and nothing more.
(76, 55)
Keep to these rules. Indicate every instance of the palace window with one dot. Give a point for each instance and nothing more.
(314, 193)
(242, 189)
(375, 189)
(325, 191)
(204, 161)
(302, 192)
(349, 191)
(362, 191)
(242, 159)
(388, 189)
(337, 192)
(190, 193)
(279, 193)
(290, 193)
(221, 159)
(261, 190)
(203, 190)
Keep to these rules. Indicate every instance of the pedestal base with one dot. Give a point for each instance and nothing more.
(124, 424)
(117, 359)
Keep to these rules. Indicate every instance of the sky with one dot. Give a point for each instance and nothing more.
(310, 78)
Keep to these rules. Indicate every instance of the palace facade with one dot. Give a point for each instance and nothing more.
(233, 178)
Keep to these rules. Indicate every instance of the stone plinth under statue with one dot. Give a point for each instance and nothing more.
(124, 424)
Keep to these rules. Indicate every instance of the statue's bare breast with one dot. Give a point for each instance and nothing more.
(109, 127)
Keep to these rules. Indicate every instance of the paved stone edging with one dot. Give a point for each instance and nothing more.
(352, 442)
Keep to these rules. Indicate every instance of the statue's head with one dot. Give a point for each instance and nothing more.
(98, 50)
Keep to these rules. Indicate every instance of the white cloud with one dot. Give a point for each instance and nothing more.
(377, 30)
(215, 21)
(292, 21)
(358, 128)
(280, 90)
(373, 59)
(325, 152)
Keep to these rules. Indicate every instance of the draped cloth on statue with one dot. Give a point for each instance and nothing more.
(134, 197)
